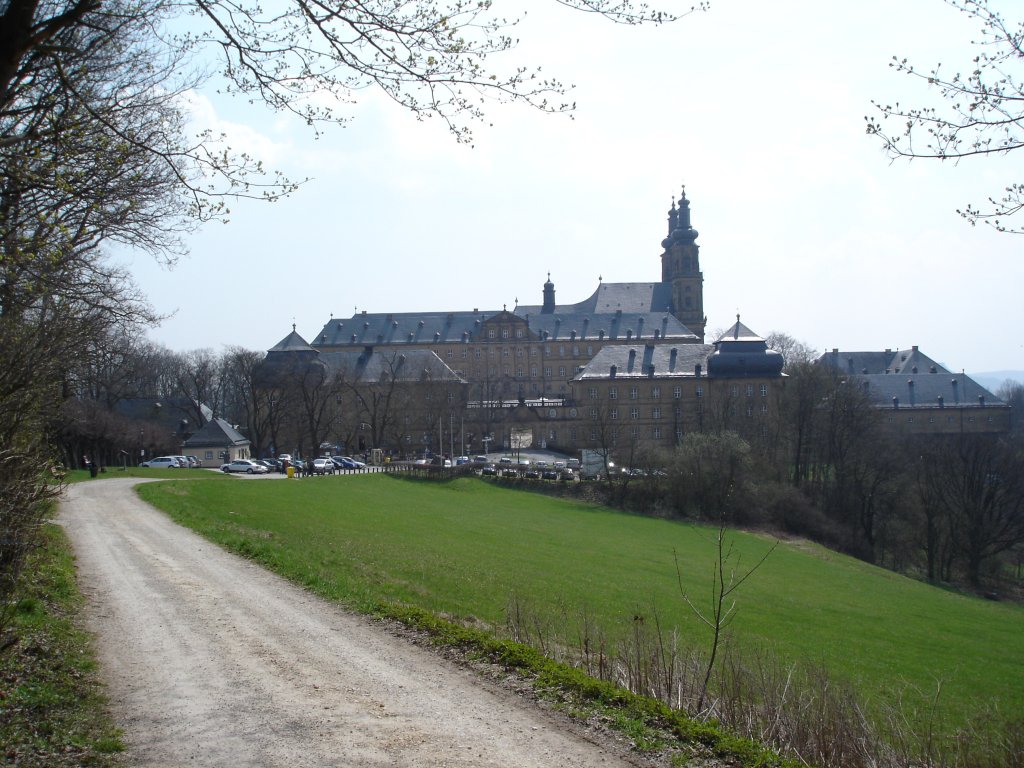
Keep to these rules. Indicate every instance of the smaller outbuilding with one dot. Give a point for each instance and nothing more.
(217, 443)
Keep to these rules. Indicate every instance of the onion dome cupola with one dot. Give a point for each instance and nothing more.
(741, 352)
(548, 308)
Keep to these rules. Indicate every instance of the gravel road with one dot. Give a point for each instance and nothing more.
(212, 661)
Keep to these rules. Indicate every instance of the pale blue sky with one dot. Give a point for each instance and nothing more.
(757, 107)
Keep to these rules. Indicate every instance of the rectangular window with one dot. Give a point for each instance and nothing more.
(504, 352)
(750, 411)
(657, 433)
(764, 407)
(700, 391)
(593, 414)
(547, 373)
(462, 353)
(561, 372)
(679, 435)
(208, 455)
(634, 413)
(533, 351)
(533, 371)
(593, 393)
(593, 435)
(490, 333)
(613, 393)
(613, 413)
(677, 393)
(764, 390)
(519, 373)
(633, 393)
(450, 354)
(476, 353)
(519, 333)
(572, 435)
(504, 333)
(561, 350)
(750, 390)
(656, 413)
(634, 432)
(655, 393)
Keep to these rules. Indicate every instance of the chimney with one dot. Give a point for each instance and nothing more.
(696, 370)
(613, 371)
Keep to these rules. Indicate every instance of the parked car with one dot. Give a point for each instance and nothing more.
(460, 460)
(247, 466)
(270, 464)
(183, 461)
(489, 469)
(162, 462)
(347, 462)
(323, 466)
(549, 474)
(479, 459)
(193, 462)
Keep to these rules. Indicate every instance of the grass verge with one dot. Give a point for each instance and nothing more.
(52, 709)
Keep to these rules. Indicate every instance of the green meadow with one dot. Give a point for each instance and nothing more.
(466, 549)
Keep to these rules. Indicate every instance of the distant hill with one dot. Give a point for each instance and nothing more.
(992, 380)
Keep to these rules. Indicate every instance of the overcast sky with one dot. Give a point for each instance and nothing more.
(757, 107)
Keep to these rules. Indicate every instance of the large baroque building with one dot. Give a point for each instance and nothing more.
(914, 394)
(625, 366)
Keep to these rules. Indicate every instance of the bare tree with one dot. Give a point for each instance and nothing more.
(725, 580)
(981, 112)
(978, 482)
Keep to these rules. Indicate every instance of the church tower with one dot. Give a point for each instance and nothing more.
(680, 268)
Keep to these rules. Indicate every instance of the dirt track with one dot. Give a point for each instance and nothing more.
(212, 661)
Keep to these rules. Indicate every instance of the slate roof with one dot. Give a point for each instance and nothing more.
(216, 432)
(739, 332)
(740, 352)
(293, 342)
(463, 327)
(924, 390)
(904, 361)
(635, 362)
(609, 298)
(371, 364)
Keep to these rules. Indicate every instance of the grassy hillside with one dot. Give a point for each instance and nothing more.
(466, 548)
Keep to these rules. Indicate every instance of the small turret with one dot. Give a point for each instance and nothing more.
(548, 307)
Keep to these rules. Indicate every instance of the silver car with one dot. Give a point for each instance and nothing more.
(244, 465)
